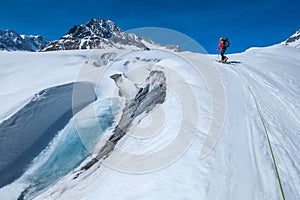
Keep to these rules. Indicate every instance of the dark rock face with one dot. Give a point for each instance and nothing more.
(294, 38)
(145, 100)
(12, 41)
(95, 34)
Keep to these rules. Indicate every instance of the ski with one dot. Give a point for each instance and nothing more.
(219, 61)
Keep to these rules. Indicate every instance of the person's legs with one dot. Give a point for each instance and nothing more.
(222, 54)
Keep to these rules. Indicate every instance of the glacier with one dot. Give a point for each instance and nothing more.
(239, 164)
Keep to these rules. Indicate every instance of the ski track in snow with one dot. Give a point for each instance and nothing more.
(282, 122)
(251, 130)
(240, 166)
(278, 132)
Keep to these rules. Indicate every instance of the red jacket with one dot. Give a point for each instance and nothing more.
(221, 45)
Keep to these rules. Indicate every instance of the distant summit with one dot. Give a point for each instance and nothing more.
(35, 42)
(97, 34)
(12, 41)
(294, 40)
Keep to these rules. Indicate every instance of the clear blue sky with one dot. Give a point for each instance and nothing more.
(245, 23)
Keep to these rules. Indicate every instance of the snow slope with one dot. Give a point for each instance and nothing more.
(238, 167)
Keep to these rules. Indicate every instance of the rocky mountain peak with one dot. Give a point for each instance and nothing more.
(96, 34)
(12, 41)
(95, 28)
(294, 40)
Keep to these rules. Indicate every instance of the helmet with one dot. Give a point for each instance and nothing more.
(221, 38)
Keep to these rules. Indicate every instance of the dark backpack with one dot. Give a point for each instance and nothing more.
(226, 42)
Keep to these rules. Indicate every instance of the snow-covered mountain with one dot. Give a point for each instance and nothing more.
(35, 42)
(12, 41)
(50, 152)
(294, 40)
(95, 34)
(99, 34)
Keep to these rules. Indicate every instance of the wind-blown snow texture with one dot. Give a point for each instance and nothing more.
(240, 165)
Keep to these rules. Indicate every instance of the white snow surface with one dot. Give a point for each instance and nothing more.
(24, 74)
(240, 165)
